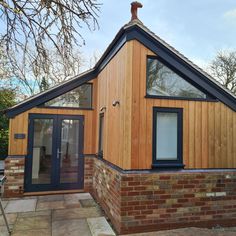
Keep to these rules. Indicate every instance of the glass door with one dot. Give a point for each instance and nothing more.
(70, 152)
(55, 160)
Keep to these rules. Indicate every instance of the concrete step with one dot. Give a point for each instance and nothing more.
(100, 227)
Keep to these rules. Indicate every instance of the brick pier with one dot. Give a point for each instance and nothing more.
(14, 171)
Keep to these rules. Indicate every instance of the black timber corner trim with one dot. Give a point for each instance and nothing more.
(126, 34)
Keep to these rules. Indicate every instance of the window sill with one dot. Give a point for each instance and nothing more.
(168, 166)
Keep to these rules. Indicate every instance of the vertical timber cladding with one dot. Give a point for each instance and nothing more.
(209, 128)
(19, 124)
(115, 84)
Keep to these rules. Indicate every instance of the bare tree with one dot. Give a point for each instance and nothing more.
(223, 69)
(34, 25)
(31, 78)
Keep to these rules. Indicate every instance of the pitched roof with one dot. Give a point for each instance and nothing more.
(135, 30)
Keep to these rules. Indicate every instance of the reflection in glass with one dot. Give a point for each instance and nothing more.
(69, 151)
(42, 151)
(166, 136)
(80, 97)
(101, 130)
(162, 81)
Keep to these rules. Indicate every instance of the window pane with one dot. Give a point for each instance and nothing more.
(101, 133)
(79, 97)
(162, 81)
(42, 151)
(166, 141)
(69, 151)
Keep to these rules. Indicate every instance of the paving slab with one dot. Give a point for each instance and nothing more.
(39, 232)
(50, 205)
(70, 228)
(4, 204)
(51, 198)
(88, 203)
(21, 205)
(11, 219)
(35, 213)
(77, 213)
(32, 223)
(99, 226)
(77, 196)
(3, 231)
(192, 231)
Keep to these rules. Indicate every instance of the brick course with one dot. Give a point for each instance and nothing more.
(139, 201)
(143, 201)
(14, 171)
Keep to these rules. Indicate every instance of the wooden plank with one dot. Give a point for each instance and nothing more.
(135, 107)
(204, 139)
(191, 134)
(198, 135)
(142, 111)
(223, 133)
(217, 143)
(127, 98)
(185, 134)
(211, 135)
(229, 138)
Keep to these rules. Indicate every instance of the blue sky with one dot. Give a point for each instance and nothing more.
(198, 29)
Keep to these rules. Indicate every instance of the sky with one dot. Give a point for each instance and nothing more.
(198, 29)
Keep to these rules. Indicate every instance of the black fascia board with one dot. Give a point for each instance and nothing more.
(174, 60)
(44, 97)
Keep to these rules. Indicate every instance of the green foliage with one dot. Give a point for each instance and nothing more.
(7, 99)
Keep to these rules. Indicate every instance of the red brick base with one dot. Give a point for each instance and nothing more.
(14, 171)
(142, 201)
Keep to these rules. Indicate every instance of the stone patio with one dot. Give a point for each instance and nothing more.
(74, 215)
(54, 215)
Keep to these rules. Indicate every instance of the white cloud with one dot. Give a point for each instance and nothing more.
(230, 15)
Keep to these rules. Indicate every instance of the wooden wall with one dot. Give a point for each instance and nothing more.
(209, 135)
(114, 84)
(209, 128)
(19, 124)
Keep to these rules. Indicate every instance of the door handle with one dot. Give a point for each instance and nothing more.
(58, 153)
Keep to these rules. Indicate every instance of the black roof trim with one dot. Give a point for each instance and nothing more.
(127, 33)
(185, 68)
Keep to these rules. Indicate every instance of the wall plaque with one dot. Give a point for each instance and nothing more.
(19, 136)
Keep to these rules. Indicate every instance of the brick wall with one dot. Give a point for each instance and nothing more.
(14, 171)
(147, 201)
(88, 173)
(106, 189)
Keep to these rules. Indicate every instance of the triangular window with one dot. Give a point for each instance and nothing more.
(80, 97)
(164, 82)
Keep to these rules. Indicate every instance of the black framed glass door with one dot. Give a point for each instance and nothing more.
(55, 153)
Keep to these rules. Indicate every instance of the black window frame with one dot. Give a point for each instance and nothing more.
(66, 107)
(101, 135)
(209, 97)
(168, 163)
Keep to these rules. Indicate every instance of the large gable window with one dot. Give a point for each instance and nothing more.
(164, 82)
(80, 97)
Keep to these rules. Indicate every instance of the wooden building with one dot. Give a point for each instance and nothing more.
(144, 107)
